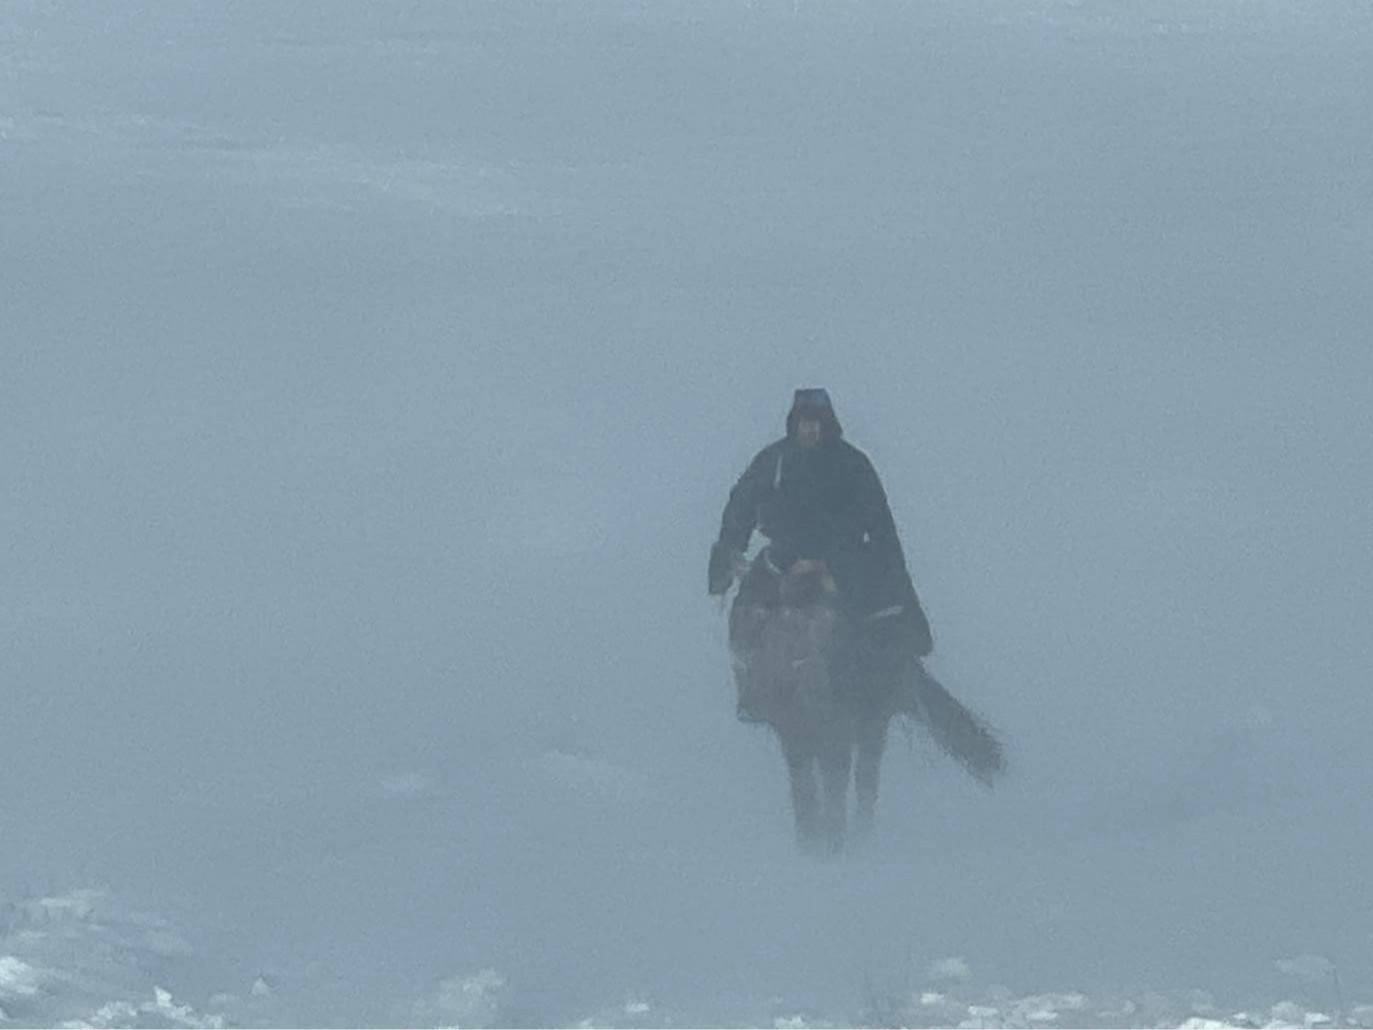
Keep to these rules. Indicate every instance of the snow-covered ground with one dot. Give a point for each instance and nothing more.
(85, 959)
(606, 903)
(371, 378)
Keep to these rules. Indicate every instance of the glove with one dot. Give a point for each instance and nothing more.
(725, 564)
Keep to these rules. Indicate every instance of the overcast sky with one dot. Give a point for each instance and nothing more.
(372, 378)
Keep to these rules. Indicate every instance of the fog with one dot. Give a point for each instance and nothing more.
(373, 378)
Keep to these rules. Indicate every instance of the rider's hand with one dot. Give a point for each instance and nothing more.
(725, 565)
(739, 564)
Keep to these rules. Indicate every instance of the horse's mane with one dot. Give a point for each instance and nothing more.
(807, 583)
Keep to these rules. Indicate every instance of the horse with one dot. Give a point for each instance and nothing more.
(796, 662)
(815, 675)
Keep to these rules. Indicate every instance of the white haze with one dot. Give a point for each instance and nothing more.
(371, 379)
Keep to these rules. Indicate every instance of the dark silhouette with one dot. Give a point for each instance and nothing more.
(826, 631)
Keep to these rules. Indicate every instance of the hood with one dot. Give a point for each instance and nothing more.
(816, 402)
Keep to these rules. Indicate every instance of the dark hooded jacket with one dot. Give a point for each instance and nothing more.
(826, 502)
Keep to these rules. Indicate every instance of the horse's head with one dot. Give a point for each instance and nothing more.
(808, 582)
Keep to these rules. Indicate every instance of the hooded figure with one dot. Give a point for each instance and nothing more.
(815, 495)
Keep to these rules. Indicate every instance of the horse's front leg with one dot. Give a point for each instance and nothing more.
(804, 803)
(835, 765)
(871, 742)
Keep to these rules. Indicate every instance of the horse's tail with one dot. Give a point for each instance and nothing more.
(959, 733)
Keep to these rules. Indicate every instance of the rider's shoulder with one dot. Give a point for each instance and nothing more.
(853, 454)
(769, 453)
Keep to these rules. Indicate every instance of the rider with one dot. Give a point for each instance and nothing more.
(816, 496)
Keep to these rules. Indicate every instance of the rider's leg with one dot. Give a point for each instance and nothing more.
(755, 600)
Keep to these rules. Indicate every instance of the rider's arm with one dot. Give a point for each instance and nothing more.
(881, 531)
(876, 514)
(736, 526)
(741, 511)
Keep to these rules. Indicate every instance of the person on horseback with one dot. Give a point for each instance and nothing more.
(816, 497)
